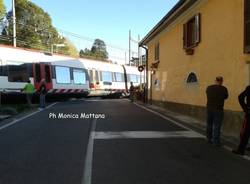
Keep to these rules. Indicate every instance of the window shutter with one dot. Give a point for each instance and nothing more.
(185, 32)
(157, 52)
(247, 27)
(197, 28)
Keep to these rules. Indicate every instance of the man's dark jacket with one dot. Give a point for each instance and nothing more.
(216, 95)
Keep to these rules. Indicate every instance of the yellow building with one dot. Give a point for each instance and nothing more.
(195, 42)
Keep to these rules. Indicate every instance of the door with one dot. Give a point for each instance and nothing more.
(42, 71)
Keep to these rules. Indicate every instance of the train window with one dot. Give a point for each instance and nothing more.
(119, 77)
(38, 72)
(4, 70)
(1, 68)
(91, 77)
(47, 74)
(97, 76)
(18, 73)
(133, 78)
(62, 75)
(107, 76)
(100, 76)
(79, 76)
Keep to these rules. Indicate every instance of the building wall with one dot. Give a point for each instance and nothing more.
(220, 52)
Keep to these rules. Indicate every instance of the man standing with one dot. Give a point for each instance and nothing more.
(29, 89)
(131, 92)
(216, 95)
(42, 91)
(245, 105)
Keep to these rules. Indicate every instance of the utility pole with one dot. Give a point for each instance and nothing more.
(14, 22)
(139, 52)
(125, 58)
(129, 54)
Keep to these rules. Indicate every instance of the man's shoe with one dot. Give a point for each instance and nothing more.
(237, 152)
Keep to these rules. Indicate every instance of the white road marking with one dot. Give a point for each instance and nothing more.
(106, 100)
(146, 135)
(87, 175)
(24, 117)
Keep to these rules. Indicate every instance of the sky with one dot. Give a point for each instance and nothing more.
(109, 20)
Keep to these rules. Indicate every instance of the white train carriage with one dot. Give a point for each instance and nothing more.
(62, 74)
(107, 78)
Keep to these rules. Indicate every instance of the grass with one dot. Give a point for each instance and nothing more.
(18, 107)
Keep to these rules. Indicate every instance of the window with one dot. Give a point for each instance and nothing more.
(134, 78)
(62, 75)
(191, 32)
(79, 76)
(4, 70)
(157, 52)
(97, 76)
(38, 72)
(192, 78)
(18, 73)
(91, 75)
(247, 27)
(107, 76)
(47, 74)
(119, 77)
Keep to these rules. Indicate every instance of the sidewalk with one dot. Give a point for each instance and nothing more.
(191, 122)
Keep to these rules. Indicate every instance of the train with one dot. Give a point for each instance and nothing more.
(64, 75)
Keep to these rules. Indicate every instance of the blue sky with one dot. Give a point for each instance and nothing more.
(109, 20)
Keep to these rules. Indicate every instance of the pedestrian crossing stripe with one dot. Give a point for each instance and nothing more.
(146, 135)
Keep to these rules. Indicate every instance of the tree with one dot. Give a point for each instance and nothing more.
(34, 29)
(2, 9)
(33, 26)
(68, 48)
(99, 49)
(81, 53)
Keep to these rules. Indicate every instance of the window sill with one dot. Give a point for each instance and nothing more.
(189, 51)
(156, 62)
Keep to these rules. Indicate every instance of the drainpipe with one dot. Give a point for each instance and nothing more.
(146, 92)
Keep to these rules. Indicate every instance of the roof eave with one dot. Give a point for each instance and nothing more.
(164, 21)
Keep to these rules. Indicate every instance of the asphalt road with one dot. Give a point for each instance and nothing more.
(129, 146)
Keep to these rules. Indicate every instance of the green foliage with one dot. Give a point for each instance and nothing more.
(34, 29)
(98, 51)
(68, 48)
(2, 9)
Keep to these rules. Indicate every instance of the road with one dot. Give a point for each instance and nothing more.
(131, 145)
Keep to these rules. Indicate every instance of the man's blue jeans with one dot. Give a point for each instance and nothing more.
(214, 121)
(42, 101)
